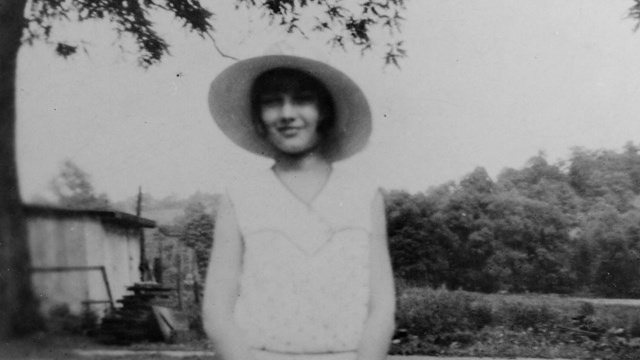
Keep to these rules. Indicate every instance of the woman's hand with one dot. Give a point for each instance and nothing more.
(221, 288)
(380, 324)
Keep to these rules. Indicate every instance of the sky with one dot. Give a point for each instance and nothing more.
(486, 83)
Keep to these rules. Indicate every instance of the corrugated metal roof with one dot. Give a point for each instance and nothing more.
(111, 216)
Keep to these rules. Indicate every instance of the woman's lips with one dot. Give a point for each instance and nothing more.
(288, 130)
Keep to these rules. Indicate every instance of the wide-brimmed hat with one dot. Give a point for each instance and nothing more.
(230, 102)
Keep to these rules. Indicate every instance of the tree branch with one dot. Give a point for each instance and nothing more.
(215, 44)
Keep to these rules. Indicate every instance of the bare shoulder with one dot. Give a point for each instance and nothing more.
(250, 183)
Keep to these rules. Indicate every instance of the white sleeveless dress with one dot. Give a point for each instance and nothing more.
(304, 287)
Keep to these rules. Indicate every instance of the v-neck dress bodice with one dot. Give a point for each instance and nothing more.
(304, 287)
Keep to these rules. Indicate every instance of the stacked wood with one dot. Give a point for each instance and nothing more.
(135, 321)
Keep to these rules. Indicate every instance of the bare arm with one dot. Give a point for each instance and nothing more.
(221, 287)
(380, 323)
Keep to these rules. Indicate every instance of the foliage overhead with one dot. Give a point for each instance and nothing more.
(634, 12)
(347, 23)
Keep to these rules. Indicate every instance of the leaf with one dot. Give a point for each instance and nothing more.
(65, 50)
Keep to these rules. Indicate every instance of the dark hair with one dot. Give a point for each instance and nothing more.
(288, 79)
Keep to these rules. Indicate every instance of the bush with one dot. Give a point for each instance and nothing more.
(441, 315)
(480, 314)
(458, 323)
(634, 328)
(523, 316)
(610, 316)
(586, 309)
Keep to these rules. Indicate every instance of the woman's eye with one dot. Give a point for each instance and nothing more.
(270, 101)
(304, 98)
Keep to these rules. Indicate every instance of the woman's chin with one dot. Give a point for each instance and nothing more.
(298, 152)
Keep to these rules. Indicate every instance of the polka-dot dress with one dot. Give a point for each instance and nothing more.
(304, 287)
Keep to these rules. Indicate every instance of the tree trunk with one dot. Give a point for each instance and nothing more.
(18, 305)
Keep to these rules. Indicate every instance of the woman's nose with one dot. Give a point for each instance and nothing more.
(287, 111)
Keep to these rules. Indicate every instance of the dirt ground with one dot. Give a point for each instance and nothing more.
(43, 346)
(69, 347)
(57, 347)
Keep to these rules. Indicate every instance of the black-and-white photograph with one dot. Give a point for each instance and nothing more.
(320, 179)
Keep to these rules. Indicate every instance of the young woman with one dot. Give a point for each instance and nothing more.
(300, 267)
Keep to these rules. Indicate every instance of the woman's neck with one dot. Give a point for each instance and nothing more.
(304, 177)
(310, 162)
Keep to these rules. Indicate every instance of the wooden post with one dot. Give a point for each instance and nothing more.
(105, 278)
(179, 283)
(144, 265)
(196, 292)
(161, 256)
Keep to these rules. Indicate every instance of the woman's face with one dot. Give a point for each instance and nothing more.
(291, 115)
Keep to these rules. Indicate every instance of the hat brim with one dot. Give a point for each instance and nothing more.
(230, 104)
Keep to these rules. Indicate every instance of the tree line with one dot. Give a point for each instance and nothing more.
(570, 227)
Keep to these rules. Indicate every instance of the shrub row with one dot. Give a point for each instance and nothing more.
(438, 312)
(438, 321)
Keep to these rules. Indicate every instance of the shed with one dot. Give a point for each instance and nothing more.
(83, 258)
